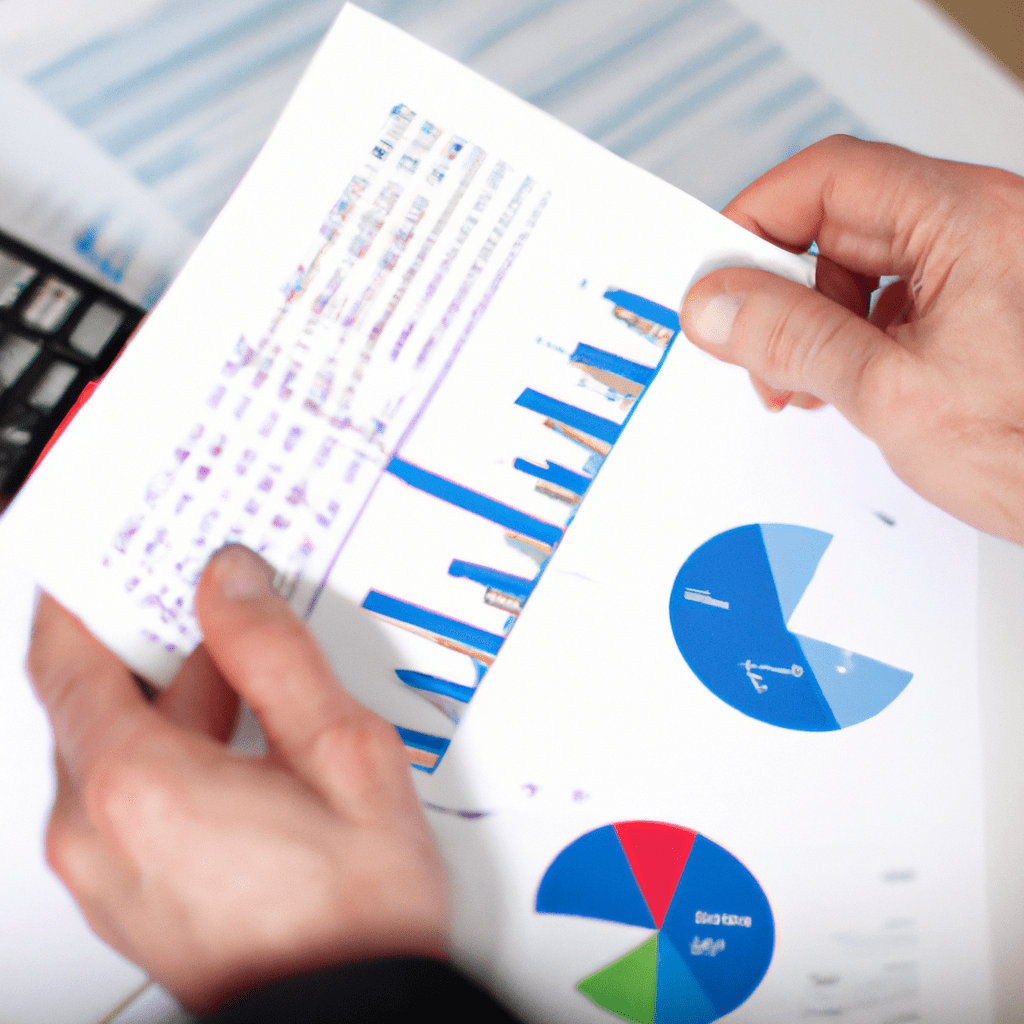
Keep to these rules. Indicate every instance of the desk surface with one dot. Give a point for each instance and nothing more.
(997, 24)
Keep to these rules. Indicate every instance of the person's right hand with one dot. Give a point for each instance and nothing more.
(936, 378)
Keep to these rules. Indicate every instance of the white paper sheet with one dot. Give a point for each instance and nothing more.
(868, 841)
(565, 230)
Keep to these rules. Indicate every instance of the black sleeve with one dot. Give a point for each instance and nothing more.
(375, 991)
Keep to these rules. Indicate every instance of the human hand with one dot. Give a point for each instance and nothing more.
(936, 377)
(214, 871)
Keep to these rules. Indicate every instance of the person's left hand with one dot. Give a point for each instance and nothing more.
(214, 871)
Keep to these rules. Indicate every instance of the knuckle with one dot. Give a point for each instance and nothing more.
(123, 789)
(62, 850)
(57, 683)
(886, 402)
(840, 144)
(71, 855)
(832, 147)
(366, 747)
(999, 199)
(787, 346)
(37, 663)
(1000, 184)
(109, 786)
(778, 348)
(812, 346)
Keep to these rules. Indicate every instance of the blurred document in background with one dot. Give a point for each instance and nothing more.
(184, 94)
(61, 193)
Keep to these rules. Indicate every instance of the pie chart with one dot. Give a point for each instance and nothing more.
(729, 610)
(713, 932)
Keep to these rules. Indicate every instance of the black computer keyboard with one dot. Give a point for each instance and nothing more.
(58, 332)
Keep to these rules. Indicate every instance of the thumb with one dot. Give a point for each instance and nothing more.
(312, 724)
(798, 340)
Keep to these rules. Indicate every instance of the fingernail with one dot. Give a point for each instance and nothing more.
(777, 401)
(713, 324)
(242, 574)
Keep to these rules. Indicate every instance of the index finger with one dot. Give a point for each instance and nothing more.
(91, 699)
(873, 208)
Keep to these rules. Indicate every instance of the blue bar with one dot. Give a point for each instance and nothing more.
(431, 622)
(644, 308)
(423, 741)
(433, 684)
(570, 415)
(517, 586)
(556, 474)
(587, 355)
(472, 501)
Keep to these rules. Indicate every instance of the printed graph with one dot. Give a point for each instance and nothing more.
(625, 381)
(714, 935)
(729, 609)
(314, 428)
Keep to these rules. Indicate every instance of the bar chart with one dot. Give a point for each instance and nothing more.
(624, 380)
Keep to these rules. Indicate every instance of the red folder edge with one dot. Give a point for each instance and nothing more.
(84, 397)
